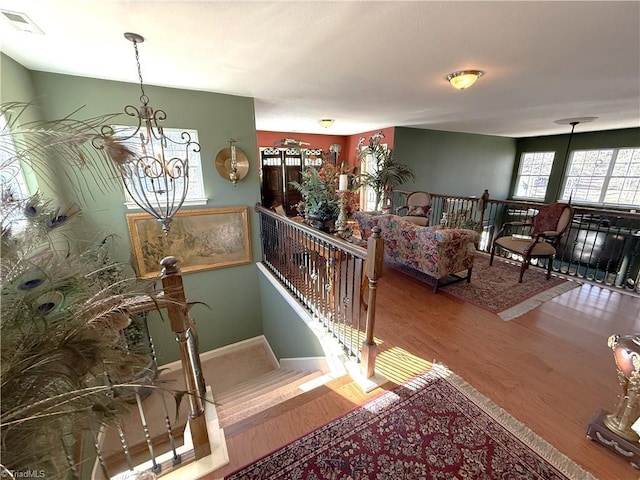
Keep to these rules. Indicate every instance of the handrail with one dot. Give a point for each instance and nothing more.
(327, 275)
(601, 245)
(349, 247)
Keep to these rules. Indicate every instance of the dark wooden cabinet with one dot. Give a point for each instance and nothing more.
(278, 168)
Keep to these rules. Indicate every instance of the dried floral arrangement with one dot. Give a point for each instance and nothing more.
(64, 306)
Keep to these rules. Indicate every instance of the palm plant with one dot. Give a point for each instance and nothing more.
(384, 173)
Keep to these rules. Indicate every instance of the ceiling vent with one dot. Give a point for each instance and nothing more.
(21, 22)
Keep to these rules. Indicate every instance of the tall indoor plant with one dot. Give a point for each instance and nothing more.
(384, 173)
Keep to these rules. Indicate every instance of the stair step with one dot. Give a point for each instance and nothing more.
(262, 389)
(254, 404)
(293, 403)
(254, 385)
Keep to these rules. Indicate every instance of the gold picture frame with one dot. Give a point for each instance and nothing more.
(201, 239)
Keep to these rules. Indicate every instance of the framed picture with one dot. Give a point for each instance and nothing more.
(201, 239)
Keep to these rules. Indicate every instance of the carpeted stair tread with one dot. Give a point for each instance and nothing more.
(255, 384)
(291, 404)
(253, 404)
(287, 379)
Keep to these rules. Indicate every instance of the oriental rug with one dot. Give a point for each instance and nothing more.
(435, 426)
(496, 288)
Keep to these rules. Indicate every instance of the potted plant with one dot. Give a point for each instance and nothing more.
(319, 190)
(384, 173)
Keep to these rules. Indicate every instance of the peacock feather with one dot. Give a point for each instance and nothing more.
(64, 308)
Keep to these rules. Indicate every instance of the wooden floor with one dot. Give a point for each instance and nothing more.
(550, 368)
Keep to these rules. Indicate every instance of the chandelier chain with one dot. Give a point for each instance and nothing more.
(143, 96)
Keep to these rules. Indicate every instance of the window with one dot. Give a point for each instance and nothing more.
(195, 192)
(605, 177)
(533, 175)
(368, 194)
(11, 176)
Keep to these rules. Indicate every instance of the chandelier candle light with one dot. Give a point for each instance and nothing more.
(341, 221)
(154, 177)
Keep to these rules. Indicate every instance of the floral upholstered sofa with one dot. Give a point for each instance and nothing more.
(434, 251)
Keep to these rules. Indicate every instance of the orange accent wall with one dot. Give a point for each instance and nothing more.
(347, 142)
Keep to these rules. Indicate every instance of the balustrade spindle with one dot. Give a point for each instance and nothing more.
(156, 468)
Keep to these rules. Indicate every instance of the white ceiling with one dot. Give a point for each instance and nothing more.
(367, 64)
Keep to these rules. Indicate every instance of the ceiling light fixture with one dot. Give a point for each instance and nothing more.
(464, 78)
(326, 122)
(154, 175)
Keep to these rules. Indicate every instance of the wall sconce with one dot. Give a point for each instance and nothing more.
(464, 78)
(231, 163)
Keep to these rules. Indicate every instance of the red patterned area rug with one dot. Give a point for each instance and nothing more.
(496, 289)
(435, 426)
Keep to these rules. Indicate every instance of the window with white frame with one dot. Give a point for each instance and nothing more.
(12, 181)
(11, 175)
(367, 194)
(533, 175)
(174, 148)
(608, 176)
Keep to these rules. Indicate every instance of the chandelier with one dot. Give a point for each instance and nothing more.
(154, 167)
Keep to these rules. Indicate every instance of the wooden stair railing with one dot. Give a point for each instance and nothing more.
(326, 275)
(187, 337)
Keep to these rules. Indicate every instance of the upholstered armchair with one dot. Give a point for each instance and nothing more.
(417, 208)
(547, 228)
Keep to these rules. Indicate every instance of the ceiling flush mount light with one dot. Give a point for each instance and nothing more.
(326, 122)
(154, 167)
(464, 78)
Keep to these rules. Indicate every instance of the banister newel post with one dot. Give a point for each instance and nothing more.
(375, 255)
(187, 338)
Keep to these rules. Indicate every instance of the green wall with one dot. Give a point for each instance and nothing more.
(232, 294)
(287, 334)
(629, 137)
(456, 163)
